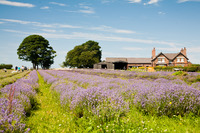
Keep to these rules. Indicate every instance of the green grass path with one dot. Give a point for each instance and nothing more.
(50, 116)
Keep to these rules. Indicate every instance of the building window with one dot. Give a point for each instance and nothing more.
(180, 59)
(161, 60)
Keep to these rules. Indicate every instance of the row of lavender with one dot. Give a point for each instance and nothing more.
(110, 97)
(189, 77)
(122, 72)
(16, 101)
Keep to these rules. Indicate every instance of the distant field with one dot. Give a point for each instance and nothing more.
(102, 101)
(10, 76)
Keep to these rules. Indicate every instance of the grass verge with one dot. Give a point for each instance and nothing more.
(50, 116)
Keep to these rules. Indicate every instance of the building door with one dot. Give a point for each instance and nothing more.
(120, 65)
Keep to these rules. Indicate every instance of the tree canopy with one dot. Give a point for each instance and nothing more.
(83, 56)
(36, 49)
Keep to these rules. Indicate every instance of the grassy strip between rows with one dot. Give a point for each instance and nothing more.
(52, 117)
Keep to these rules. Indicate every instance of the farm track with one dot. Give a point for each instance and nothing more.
(50, 116)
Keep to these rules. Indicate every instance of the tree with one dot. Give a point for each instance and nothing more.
(36, 49)
(83, 56)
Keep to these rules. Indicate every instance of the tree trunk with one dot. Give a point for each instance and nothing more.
(34, 66)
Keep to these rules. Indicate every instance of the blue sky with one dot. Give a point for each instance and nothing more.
(123, 28)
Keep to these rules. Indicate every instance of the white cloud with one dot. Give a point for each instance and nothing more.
(40, 24)
(181, 1)
(83, 11)
(49, 30)
(102, 37)
(151, 2)
(123, 31)
(171, 49)
(86, 9)
(67, 26)
(99, 28)
(18, 4)
(133, 48)
(59, 4)
(44, 7)
(27, 22)
(16, 21)
(15, 31)
(1, 22)
(161, 13)
(110, 29)
(135, 1)
(83, 8)
(105, 1)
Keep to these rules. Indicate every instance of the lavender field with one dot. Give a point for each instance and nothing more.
(102, 101)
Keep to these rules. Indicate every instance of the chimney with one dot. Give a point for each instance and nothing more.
(183, 51)
(153, 53)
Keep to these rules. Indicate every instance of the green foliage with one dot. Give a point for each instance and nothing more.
(165, 68)
(83, 56)
(36, 49)
(180, 73)
(198, 78)
(191, 68)
(7, 66)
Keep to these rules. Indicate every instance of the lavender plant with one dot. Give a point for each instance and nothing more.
(15, 103)
(104, 102)
(89, 94)
(167, 98)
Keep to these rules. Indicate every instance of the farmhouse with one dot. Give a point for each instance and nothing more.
(169, 59)
(162, 59)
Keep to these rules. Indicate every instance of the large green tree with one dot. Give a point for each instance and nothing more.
(36, 49)
(83, 56)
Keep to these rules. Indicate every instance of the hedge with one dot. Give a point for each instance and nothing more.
(191, 68)
(7, 66)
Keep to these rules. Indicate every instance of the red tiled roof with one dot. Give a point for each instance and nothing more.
(139, 60)
(170, 56)
(129, 60)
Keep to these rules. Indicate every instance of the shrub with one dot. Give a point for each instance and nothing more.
(180, 73)
(7, 66)
(191, 68)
